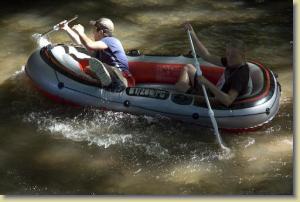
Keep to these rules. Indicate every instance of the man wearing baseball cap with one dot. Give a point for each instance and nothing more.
(107, 49)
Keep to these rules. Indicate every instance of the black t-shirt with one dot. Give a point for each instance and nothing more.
(235, 78)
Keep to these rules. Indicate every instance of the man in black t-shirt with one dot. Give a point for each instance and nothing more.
(234, 81)
(235, 78)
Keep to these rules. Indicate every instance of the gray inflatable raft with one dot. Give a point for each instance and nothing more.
(152, 90)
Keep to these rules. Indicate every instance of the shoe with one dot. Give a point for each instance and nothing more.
(100, 70)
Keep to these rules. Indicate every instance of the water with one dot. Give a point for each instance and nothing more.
(46, 148)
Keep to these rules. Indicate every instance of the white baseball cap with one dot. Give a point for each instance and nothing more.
(103, 23)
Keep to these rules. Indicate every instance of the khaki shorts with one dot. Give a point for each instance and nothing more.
(119, 82)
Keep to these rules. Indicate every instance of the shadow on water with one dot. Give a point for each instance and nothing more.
(155, 27)
(112, 153)
(162, 19)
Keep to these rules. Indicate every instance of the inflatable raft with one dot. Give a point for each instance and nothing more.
(152, 90)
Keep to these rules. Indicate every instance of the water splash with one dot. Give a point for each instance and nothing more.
(251, 141)
(95, 127)
(155, 149)
(162, 140)
(19, 73)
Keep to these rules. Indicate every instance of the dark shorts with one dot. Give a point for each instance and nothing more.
(196, 89)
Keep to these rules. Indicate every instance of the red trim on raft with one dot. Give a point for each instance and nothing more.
(151, 72)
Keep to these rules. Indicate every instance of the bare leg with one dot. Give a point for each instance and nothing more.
(186, 78)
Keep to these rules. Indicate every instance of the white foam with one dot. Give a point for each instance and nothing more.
(93, 130)
(251, 141)
(17, 73)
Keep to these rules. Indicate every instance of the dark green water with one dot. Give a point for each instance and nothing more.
(46, 148)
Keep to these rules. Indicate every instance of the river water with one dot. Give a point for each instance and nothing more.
(46, 148)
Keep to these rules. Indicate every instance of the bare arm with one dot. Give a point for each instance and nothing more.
(201, 49)
(204, 53)
(73, 35)
(225, 98)
(199, 100)
(86, 41)
(90, 44)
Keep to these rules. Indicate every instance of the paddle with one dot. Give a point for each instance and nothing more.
(210, 111)
(42, 40)
(55, 27)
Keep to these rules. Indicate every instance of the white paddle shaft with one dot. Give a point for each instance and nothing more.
(210, 111)
(55, 27)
